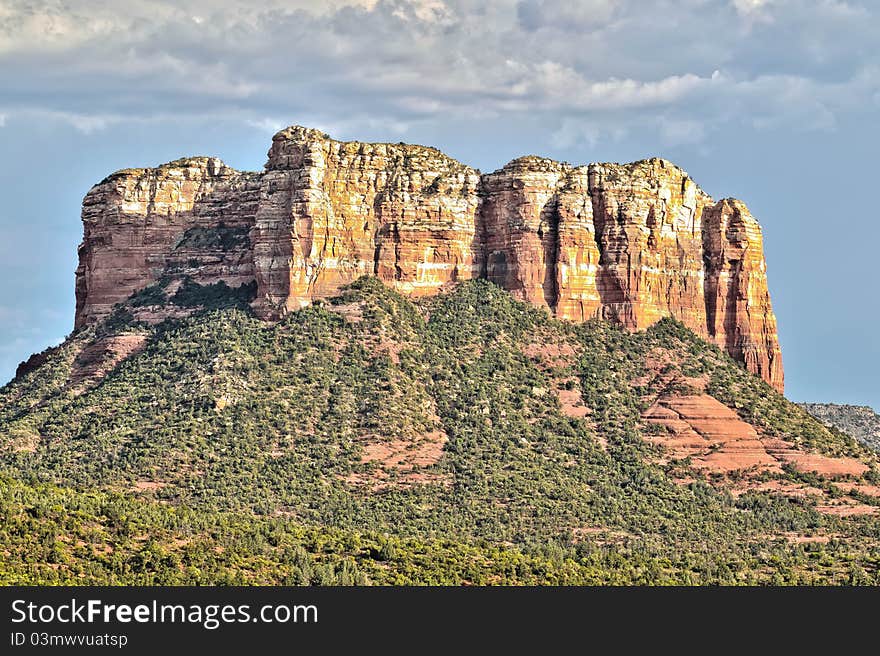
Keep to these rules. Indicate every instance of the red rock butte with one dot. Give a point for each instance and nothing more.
(630, 243)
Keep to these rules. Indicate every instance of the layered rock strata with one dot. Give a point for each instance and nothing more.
(191, 217)
(332, 211)
(630, 243)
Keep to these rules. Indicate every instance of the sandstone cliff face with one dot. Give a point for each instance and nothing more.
(631, 243)
(192, 216)
(648, 230)
(333, 211)
(577, 254)
(739, 316)
(519, 228)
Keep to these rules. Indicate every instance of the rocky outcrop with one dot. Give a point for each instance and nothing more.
(35, 361)
(647, 218)
(189, 217)
(630, 243)
(714, 439)
(577, 254)
(331, 212)
(739, 316)
(518, 228)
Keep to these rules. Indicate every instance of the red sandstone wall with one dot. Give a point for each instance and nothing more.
(631, 243)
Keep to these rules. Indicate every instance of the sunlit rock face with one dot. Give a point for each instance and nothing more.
(739, 315)
(333, 211)
(647, 218)
(190, 217)
(519, 228)
(630, 243)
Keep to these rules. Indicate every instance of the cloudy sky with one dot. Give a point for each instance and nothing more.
(772, 101)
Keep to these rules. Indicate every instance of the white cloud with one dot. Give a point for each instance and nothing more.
(620, 94)
(2, 120)
(573, 133)
(750, 7)
(265, 124)
(85, 123)
(429, 11)
(679, 132)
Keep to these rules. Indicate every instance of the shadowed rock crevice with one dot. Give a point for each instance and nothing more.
(548, 233)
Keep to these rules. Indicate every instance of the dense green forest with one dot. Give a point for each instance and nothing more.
(373, 439)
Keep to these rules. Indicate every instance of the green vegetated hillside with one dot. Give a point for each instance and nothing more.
(860, 421)
(372, 439)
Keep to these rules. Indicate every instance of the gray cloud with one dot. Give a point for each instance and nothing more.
(568, 16)
(698, 63)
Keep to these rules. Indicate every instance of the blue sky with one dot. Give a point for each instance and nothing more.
(775, 102)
